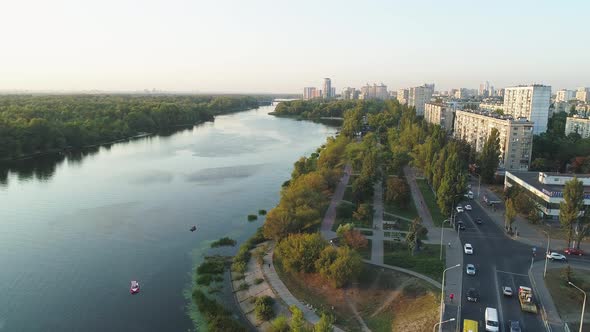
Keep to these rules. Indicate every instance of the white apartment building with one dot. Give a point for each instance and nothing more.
(309, 93)
(577, 124)
(530, 102)
(402, 96)
(375, 91)
(439, 114)
(491, 107)
(564, 95)
(583, 94)
(420, 95)
(516, 136)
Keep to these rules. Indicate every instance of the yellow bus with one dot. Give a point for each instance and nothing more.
(469, 325)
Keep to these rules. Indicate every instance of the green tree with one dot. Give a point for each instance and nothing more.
(490, 156)
(363, 212)
(299, 252)
(571, 206)
(279, 324)
(397, 191)
(339, 265)
(263, 308)
(414, 234)
(297, 321)
(325, 324)
(509, 215)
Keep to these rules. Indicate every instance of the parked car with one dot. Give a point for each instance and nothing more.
(470, 194)
(468, 207)
(459, 209)
(460, 225)
(514, 326)
(556, 256)
(478, 221)
(472, 295)
(470, 269)
(507, 291)
(573, 251)
(468, 249)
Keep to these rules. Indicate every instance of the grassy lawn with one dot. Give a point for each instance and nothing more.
(428, 195)
(366, 252)
(386, 300)
(409, 212)
(397, 225)
(567, 299)
(426, 261)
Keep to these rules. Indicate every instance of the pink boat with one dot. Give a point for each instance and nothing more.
(134, 287)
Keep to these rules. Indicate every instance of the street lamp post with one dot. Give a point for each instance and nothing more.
(583, 305)
(442, 291)
(546, 253)
(439, 323)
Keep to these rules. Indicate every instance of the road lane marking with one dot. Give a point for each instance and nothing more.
(513, 273)
(500, 314)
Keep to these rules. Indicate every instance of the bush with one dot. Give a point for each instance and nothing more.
(243, 286)
(224, 241)
(252, 217)
(217, 317)
(279, 324)
(212, 265)
(263, 308)
(344, 210)
(261, 212)
(206, 279)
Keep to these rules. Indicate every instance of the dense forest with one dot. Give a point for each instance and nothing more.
(37, 124)
(314, 109)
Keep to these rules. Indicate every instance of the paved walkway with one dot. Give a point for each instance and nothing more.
(283, 292)
(328, 221)
(453, 255)
(548, 309)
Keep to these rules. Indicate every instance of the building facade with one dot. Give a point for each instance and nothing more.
(309, 93)
(577, 124)
(546, 189)
(491, 106)
(439, 114)
(327, 88)
(420, 95)
(530, 102)
(583, 94)
(402, 96)
(564, 95)
(516, 136)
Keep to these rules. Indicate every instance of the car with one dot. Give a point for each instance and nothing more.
(507, 291)
(472, 295)
(470, 194)
(468, 248)
(468, 207)
(556, 256)
(459, 209)
(573, 251)
(460, 225)
(514, 326)
(470, 269)
(478, 221)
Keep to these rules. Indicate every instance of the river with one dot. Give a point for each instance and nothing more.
(75, 229)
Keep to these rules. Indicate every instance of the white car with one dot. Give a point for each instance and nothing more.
(556, 256)
(468, 249)
(507, 291)
(470, 269)
(468, 207)
(459, 209)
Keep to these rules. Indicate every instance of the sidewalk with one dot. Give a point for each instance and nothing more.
(328, 221)
(549, 311)
(527, 233)
(377, 238)
(453, 255)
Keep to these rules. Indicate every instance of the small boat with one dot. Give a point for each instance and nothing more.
(134, 287)
(194, 228)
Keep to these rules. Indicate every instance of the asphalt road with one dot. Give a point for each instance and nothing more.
(499, 261)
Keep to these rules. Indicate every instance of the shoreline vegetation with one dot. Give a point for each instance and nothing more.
(32, 126)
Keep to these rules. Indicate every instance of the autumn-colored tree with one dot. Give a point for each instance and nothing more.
(299, 252)
(397, 191)
(355, 239)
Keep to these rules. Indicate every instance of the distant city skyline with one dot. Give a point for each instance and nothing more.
(265, 46)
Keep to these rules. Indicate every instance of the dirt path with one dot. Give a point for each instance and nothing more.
(394, 295)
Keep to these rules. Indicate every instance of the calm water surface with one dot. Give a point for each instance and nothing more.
(75, 231)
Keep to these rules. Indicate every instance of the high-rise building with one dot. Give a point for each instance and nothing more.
(516, 136)
(577, 124)
(463, 93)
(402, 96)
(327, 88)
(309, 93)
(583, 94)
(350, 93)
(374, 91)
(333, 92)
(418, 96)
(439, 114)
(530, 102)
(565, 95)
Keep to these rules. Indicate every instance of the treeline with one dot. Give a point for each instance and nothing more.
(553, 150)
(38, 124)
(313, 109)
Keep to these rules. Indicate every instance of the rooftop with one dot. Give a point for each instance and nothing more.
(552, 190)
(496, 115)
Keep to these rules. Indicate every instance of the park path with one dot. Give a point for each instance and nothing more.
(453, 254)
(377, 238)
(330, 217)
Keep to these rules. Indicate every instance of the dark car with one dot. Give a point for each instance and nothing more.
(514, 326)
(573, 251)
(460, 225)
(472, 295)
(478, 221)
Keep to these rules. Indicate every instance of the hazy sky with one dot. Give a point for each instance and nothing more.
(282, 46)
